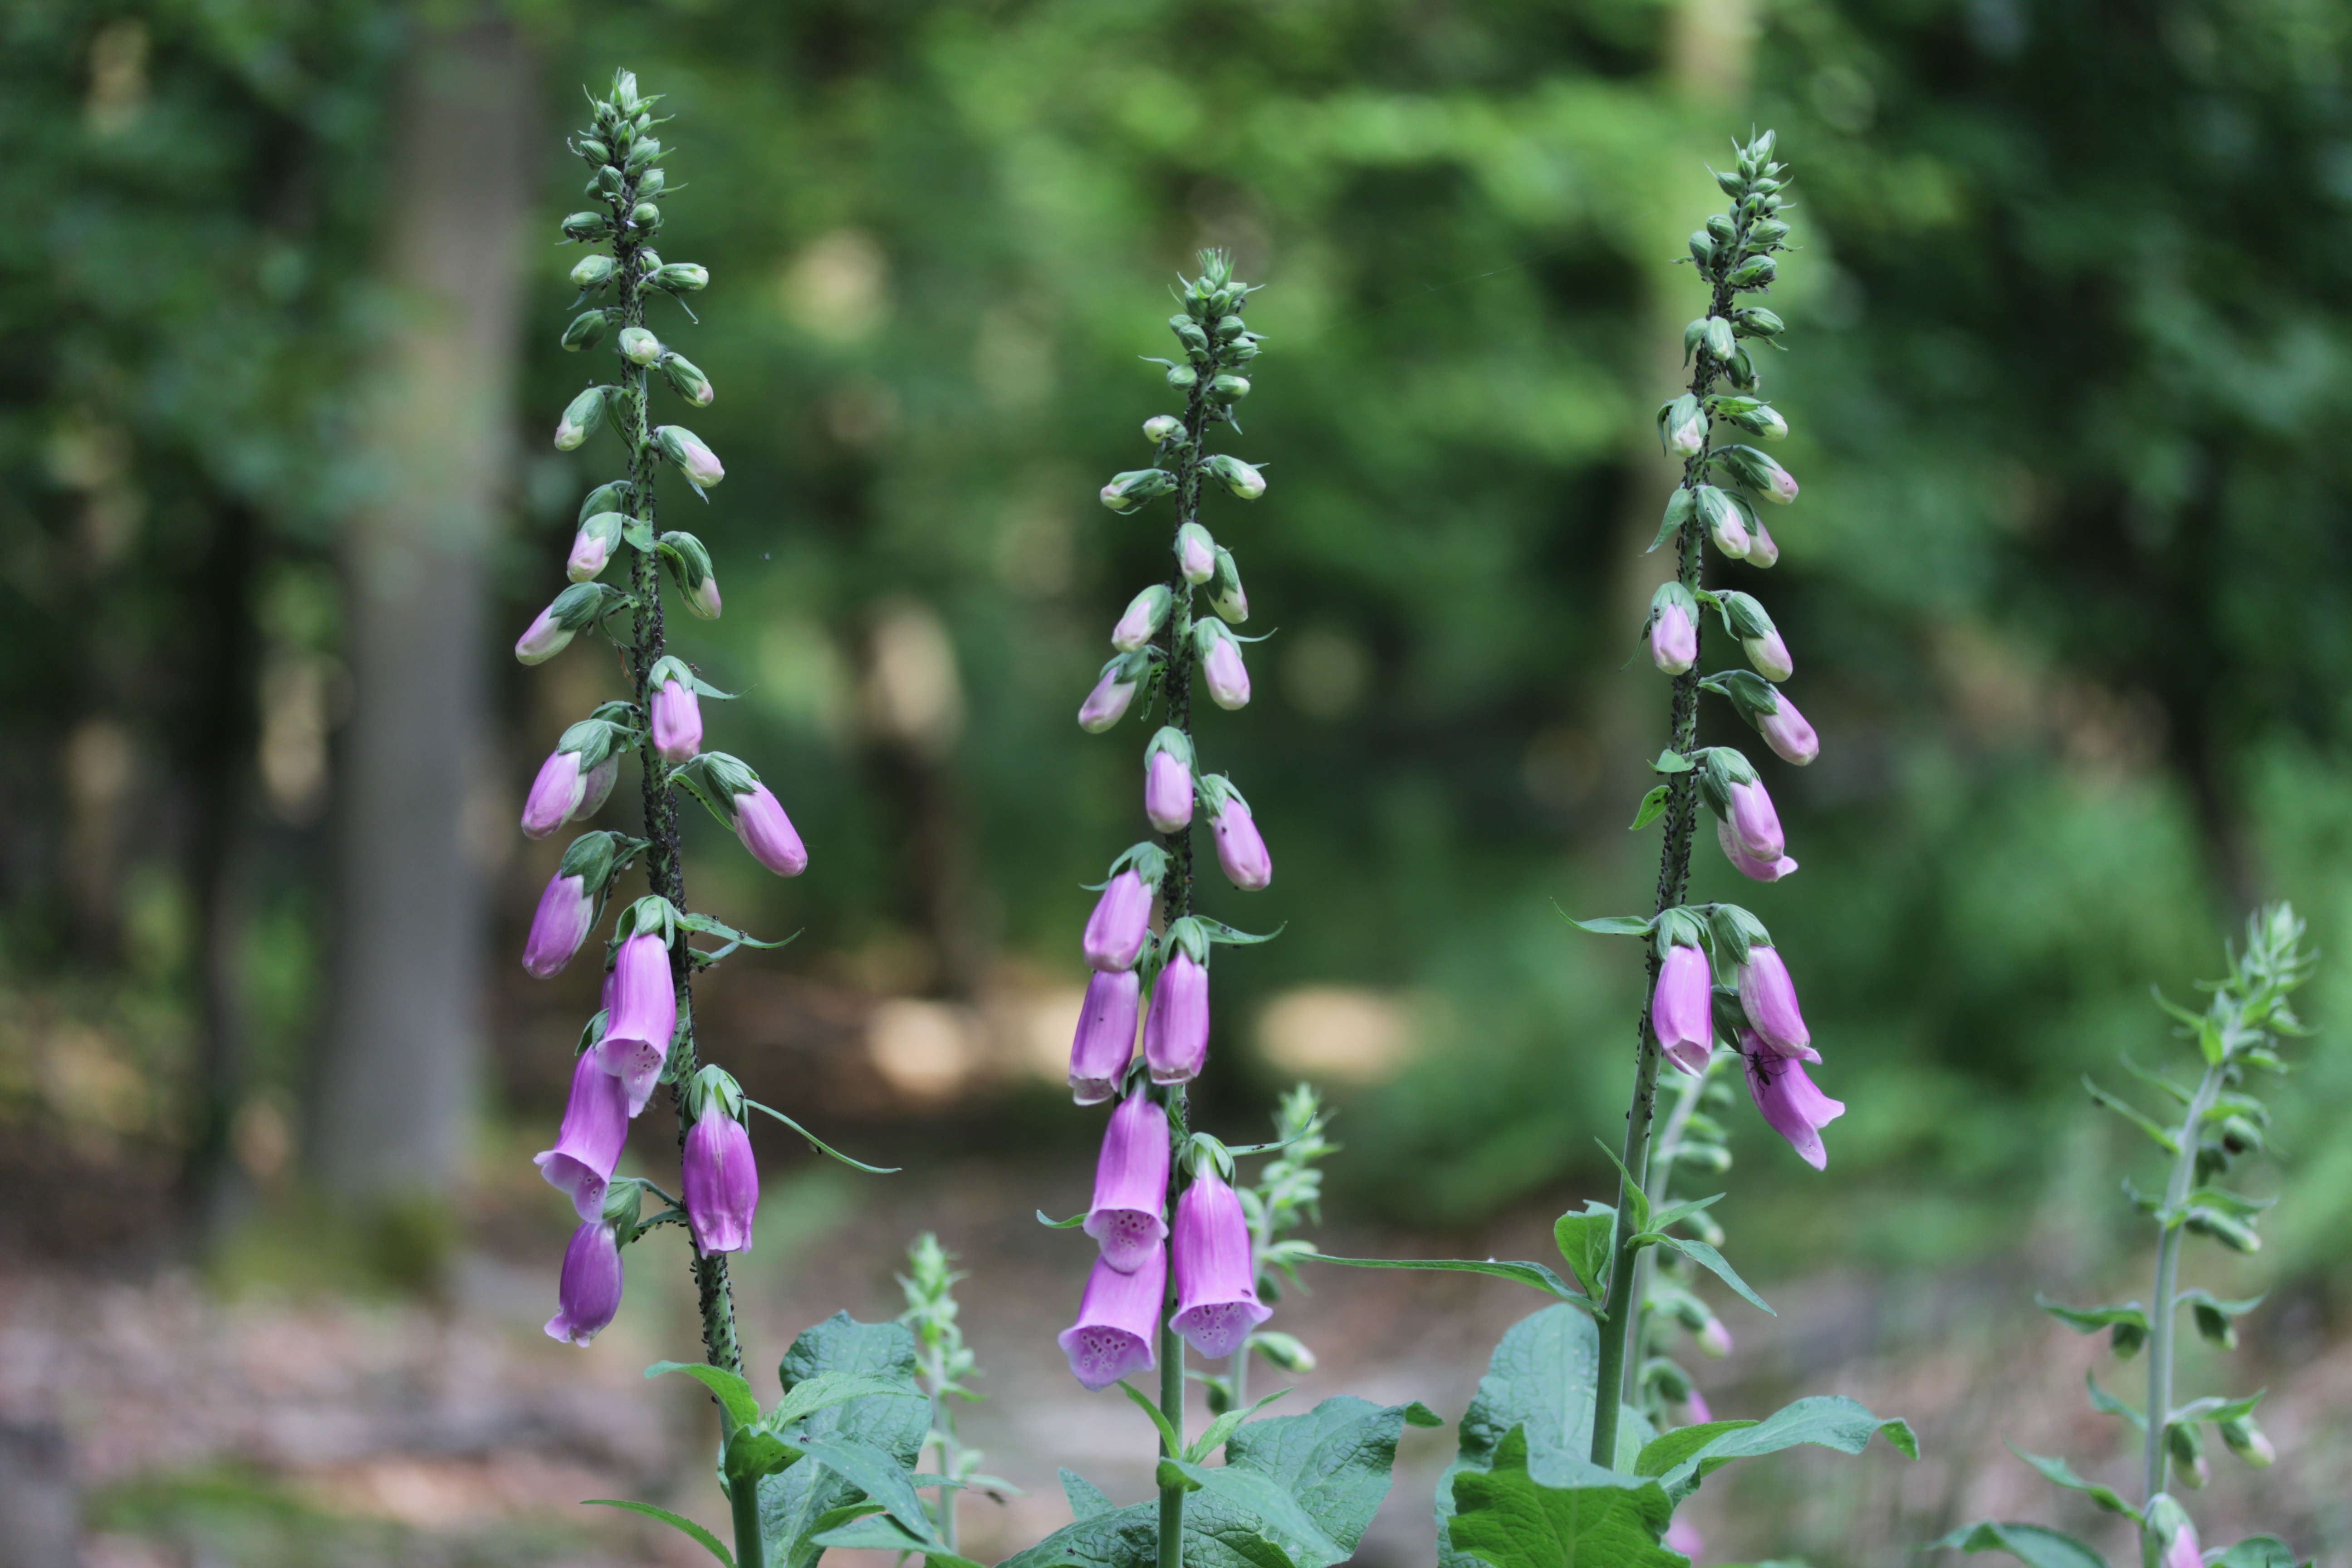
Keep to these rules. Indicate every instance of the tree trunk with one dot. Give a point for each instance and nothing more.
(398, 1076)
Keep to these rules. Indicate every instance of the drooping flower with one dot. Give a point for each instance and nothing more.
(1746, 863)
(1107, 704)
(677, 720)
(1105, 1036)
(589, 1292)
(1681, 1008)
(721, 1182)
(1116, 931)
(1673, 641)
(588, 1144)
(1216, 1274)
(641, 1015)
(596, 787)
(1167, 790)
(558, 791)
(1176, 1031)
(768, 833)
(1128, 1216)
(1786, 732)
(1770, 999)
(1240, 848)
(567, 911)
(1119, 1321)
(1755, 821)
(1793, 1106)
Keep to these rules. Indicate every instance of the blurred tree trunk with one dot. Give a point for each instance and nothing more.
(398, 1076)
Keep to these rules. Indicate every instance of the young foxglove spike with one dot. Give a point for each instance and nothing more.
(1791, 1105)
(1120, 924)
(1128, 1215)
(1176, 1030)
(588, 1144)
(1241, 850)
(1681, 1008)
(588, 1294)
(677, 720)
(1769, 998)
(1216, 1275)
(1106, 1036)
(721, 1182)
(641, 1016)
(1118, 1321)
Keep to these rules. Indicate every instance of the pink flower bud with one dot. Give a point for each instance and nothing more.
(641, 1016)
(1144, 615)
(1167, 792)
(1176, 1031)
(1107, 704)
(1729, 532)
(702, 599)
(1777, 483)
(1228, 678)
(1791, 1105)
(2185, 1551)
(767, 832)
(566, 910)
(1105, 1036)
(1673, 641)
(555, 794)
(1117, 929)
(1761, 550)
(1768, 653)
(1770, 999)
(1241, 850)
(1696, 1414)
(589, 1293)
(1746, 863)
(1713, 1340)
(588, 1144)
(1755, 821)
(545, 638)
(1118, 1321)
(1196, 554)
(1685, 436)
(592, 547)
(676, 722)
(1682, 1011)
(1786, 731)
(1130, 1202)
(1216, 1275)
(596, 787)
(721, 1183)
(1683, 1536)
(694, 458)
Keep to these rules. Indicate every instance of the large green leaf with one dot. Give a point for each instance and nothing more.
(1087, 1498)
(862, 1431)
(1539, 1379)
(2260, 1551)
(1336, 1460)
(1829, 1421)
(2038, 1546)
(1505, 1517)
(880, 1533)
(1663, 1453)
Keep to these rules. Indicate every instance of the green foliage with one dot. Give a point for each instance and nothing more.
(1508, 1519)
(862, 1451)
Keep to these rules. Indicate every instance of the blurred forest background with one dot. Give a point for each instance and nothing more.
(2070, 590)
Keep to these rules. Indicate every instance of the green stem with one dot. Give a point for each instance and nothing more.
(744, 1503)
(2163, 1308)
(1171, 1364)
(1661, 1178)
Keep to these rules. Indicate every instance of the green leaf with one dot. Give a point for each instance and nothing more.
(734, 1394)
(752, 1452)
(877, 1473)
(824, 1390)
(2063, 1473)
(2107, 1403)
(2091, 1320)
(1508, 1519)
(793, 1502)
(1585, 1242)
(2036, 1545)
(1072, 1223)
(1169, 1442)
(1828, 1421)
(878, 1533)
(1538, 1382)
(1534, 1274)
(1254, 1493)
(1663, 1454)
(2217, 1407)
(1671, 762)
(677, 1520)
(2157, 1081)
(2258, 1551)
(1210, 1441)
(1086, 1499)
(1674, 1214)
(2132, 1114)
(1653, 806)
(1336, 1460)
(1711, 1261)
(1611, 925)
(821, 1146)
(1633, 1190)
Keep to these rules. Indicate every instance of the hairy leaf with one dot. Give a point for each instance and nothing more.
(1086, 1499)
(1828, 1421)
(880, 1533)
(1539, 1381)
(1505, 1517)
(2037, 1546)
(734, 1394)
(795, 1501)
(1711, 1261)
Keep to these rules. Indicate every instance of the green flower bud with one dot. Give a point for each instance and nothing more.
(592, 271)
(2248, 1441)
(643, 151)
(697, 461)
(2241, 1136)
(612, 496)
(639, 346)
(1731, 182)
(624, 91)
(2188, 1451)
(1702, 248)
(2214, 1326)
(1163, 427)
(1130, 489)
(587, 329)
(686, 378)
(595, 152)
(645, 214)
(1225, 595)
(1770, 231)
(2230, 1233)
(1756, 272)
(1190, 334)
(1671, 1381)
(1717, 336)
(1759, 419)
(1283, 1351)
(681, 276)
(651, 181)
(1182, 378)
(585, 227)
(607, 183)
(1228, 388)
(1236, 475)
(1705, 1159)
(1230, 327)
(2126, 1340)
(580, 419)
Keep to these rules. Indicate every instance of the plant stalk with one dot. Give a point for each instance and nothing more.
(1659, 1178)
(2163, 1308)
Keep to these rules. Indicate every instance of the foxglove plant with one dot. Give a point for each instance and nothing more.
(2237, 1039)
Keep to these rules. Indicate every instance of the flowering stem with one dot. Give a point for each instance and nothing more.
(2162, 1309)
(1659, 1177)
(665, 863)
(1171, 1361)
(1673, 880)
